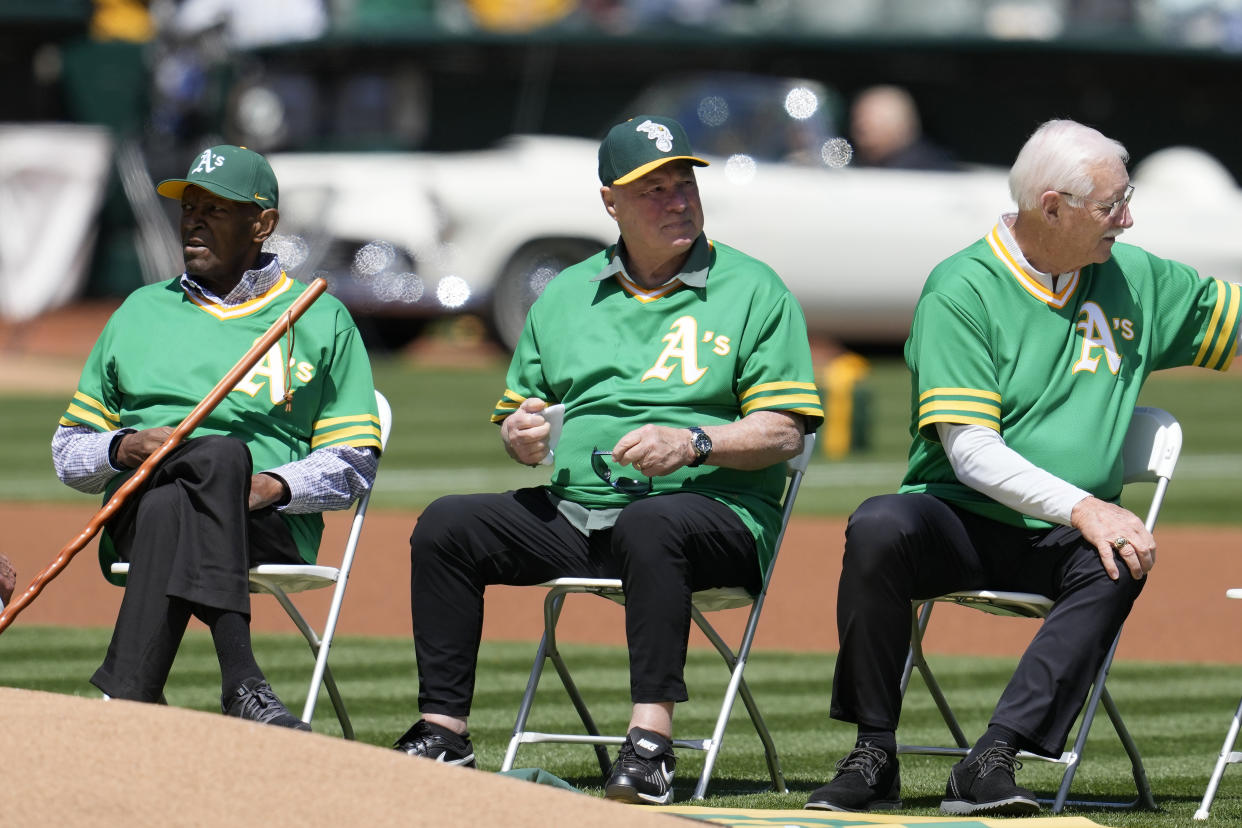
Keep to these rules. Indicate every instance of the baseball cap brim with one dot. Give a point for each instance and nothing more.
(640, 171)
(174, 188)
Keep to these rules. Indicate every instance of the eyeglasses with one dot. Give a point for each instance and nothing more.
(627, 485)
(1114, 209)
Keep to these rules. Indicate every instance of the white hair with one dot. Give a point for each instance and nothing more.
(1060, 155)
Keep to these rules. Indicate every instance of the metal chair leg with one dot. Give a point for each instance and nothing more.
(1227, 757)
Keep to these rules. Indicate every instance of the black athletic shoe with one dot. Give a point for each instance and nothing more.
(431, 741)
(254, 700)
(868, 779)
(643, 772)
(985, 785)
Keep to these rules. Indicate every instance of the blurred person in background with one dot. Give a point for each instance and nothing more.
(685, 360)
(886, 132)
(297, 436)
(1027, 354)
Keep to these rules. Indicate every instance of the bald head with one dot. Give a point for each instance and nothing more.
(883, 120)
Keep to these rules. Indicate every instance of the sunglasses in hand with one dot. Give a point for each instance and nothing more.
(626, 485)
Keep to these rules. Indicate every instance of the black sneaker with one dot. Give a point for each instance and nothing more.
(254, 700)
(432, 741)
(643, 772)
(985, 785)
(868, 779)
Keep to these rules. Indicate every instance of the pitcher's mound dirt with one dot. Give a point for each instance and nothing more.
(93, 762)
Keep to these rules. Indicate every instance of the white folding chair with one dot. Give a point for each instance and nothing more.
(1228, 756)
(279, 580)
(1149, 455)
(704, 601)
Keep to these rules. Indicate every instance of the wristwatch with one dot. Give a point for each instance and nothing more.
(702, 445)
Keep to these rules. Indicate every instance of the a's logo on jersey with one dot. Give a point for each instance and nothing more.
(682, 349)
(207, 162)
(657, 132)
(1097, 333)
(273, 371)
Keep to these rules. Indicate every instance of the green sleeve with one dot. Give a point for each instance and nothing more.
(348, 415)
(525, 375)
(777, 374)
(951, 361)
(1209, 313)
(96, 402)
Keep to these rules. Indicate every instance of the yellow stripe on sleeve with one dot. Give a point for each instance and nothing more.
(806, 404)
(960, 392)
(355, 418)
(99, 408)
(340, 434)
(961, 405)
(779, 386)
(89, 417)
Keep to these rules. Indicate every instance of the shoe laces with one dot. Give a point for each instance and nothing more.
(865, 759)
(627, 756)
(1000, 757)
(258, 697)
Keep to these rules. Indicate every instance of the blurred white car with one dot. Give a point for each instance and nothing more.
(418, 235)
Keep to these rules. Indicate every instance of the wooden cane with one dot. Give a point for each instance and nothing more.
(191, 421)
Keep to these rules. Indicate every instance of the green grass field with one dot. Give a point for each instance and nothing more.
(443, 443)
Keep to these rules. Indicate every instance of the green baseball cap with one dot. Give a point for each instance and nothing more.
(235, 173)
(636, 147)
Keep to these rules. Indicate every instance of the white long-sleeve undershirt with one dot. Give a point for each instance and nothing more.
(981, 460)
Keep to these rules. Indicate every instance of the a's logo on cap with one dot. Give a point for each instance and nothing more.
(207, 162)
(658, 133)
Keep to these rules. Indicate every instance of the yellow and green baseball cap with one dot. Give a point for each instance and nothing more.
(636, 147)
(235, 173)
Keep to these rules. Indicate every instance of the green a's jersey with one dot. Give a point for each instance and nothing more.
(1057, 374)
(724, 339)
(163, 351)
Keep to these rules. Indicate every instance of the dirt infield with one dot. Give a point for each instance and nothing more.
(1175, 619)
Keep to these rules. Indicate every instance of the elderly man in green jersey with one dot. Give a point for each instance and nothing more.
(299, 435)
(1027, 352)
(676, 356)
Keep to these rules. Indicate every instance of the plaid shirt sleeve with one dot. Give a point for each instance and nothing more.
(327, 479)
(80, 457)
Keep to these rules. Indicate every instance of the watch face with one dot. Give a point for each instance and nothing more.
(702, 444)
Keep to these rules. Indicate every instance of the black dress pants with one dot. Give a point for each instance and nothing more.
(189, 540)
(662, 547)
(907, 547)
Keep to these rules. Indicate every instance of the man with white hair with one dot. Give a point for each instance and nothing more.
(1027, 354)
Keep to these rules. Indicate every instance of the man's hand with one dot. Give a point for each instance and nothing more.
(525, 432)
(139, 445)
(265, 489)
(8, 578)
(1105, 525)
(654, 450)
